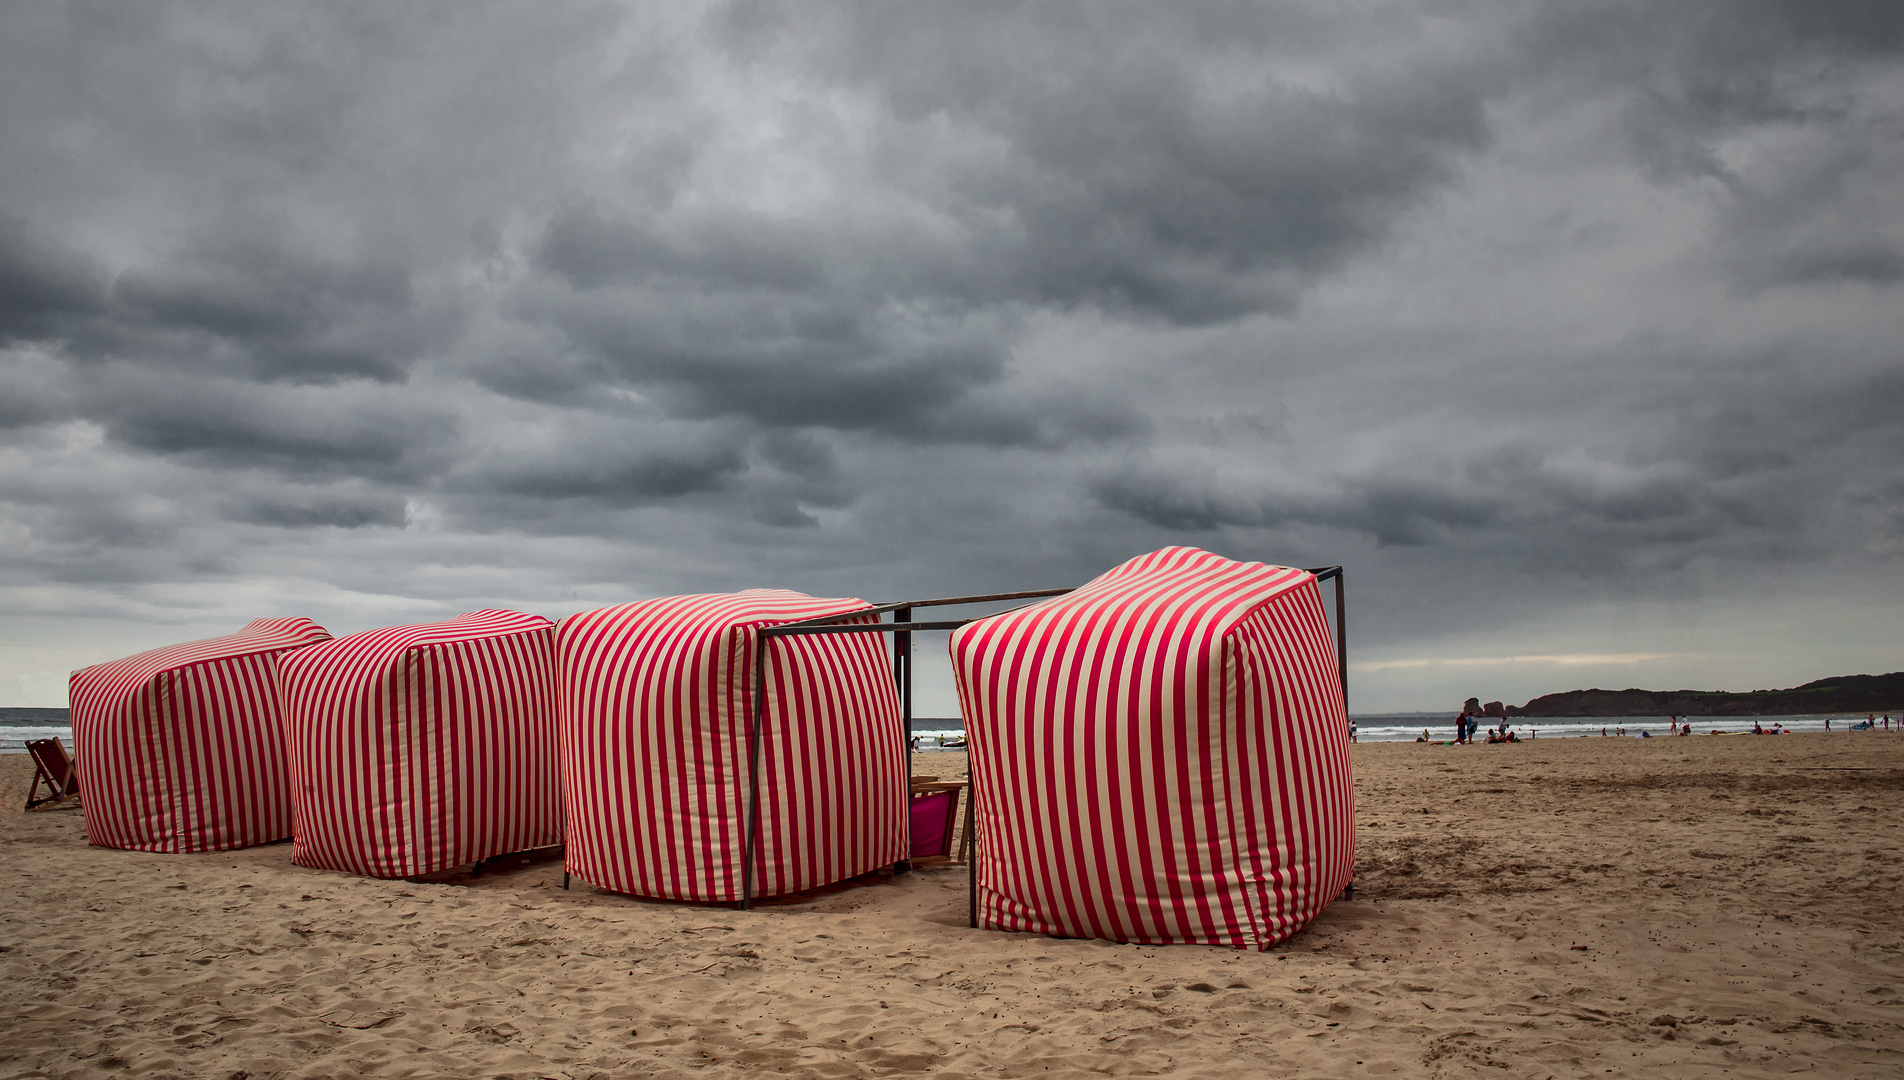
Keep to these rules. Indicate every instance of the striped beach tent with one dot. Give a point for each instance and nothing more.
(422, 748)
(181, 748)
(657, 706)
(1160, 756)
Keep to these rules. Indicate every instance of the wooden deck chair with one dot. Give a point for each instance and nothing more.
(935, 816)
(54, 768)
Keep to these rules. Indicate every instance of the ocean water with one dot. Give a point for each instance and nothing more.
(19, 725)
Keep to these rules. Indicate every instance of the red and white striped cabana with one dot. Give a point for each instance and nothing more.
(1160, 756)
(181, 748)
(657, 703)
(422, 748)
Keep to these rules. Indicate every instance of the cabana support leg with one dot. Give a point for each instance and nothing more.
(902, 670)
(753, 775)
(1341, 640)
(968, 844)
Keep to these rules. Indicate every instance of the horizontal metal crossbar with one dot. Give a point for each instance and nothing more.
(881, 609)
(865, 628)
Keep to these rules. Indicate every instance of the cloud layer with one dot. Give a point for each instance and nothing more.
(1517, 310)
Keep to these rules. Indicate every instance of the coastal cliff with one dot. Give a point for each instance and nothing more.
(1843, 693)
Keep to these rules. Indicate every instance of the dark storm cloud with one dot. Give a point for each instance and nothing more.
(1820, 223)
(268, 313)
(348, 429)
(1056, 163)
(34, 389)
(1693, 79)
(1751, 466)
(292, 509)
(43, 290)
(1145, 160)
(621, 479)
(790, 359)
(1689, 72)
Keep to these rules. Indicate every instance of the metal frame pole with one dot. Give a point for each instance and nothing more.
(1341, 640)
(902, 671)
(902, 662)
(753, 773)
(971, 838)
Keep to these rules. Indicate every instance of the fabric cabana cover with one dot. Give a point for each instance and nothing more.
(421, 748)
(657, 699)
(181, 748)
(1160, 756)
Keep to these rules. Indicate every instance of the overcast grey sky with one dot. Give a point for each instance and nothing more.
(1574, 330)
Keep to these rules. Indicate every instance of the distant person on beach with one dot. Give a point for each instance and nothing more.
(1351, 731)
(1461, 728)
(1424, 735)
(1827, 723)
(915, 742)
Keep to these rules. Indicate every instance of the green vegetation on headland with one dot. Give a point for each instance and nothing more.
(1842, 694)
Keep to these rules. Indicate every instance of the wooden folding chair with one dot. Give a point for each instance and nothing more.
(54, 768)
(935, 816)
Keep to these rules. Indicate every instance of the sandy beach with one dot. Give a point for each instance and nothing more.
(1582, 907)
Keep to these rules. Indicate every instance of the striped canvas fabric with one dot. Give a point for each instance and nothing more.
(182, 749)
(422, 748)
(1160, 756)
(657, 697)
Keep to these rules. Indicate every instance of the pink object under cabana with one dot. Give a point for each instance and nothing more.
(657, 703)
(182, 748)
(422, 748)
(1160, 756)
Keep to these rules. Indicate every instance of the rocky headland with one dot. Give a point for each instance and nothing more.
(1843, 693)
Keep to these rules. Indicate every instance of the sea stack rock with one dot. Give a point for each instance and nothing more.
(1472, 707)
(1493, 709)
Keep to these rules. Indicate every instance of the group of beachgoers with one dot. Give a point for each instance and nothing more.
(1466, 724)
(1871, 722)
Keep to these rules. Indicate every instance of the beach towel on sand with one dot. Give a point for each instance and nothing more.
(1160, 756)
